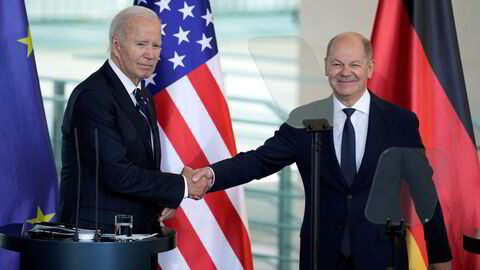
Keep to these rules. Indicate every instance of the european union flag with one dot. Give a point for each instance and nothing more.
(28, 180)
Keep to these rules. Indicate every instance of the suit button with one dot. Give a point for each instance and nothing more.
(349, 196)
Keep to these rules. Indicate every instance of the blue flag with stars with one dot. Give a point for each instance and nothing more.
(28, 180)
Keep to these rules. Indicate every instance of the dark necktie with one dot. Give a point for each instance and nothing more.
(348, 162)
(142, 107)
(349, 169)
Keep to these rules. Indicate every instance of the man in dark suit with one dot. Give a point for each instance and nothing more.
(111, 106)
(363, 127)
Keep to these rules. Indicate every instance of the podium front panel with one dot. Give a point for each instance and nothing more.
(72, 255)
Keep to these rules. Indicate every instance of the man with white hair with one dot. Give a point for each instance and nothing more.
(111, 106)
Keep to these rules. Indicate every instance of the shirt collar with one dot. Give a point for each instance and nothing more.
(362, 105)
(127, 83)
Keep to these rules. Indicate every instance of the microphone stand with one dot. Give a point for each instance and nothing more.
(75, 238)
(97, 236)
(315, 126)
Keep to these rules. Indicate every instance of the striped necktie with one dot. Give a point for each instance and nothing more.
(142, 107)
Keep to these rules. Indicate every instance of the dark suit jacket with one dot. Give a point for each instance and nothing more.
(388, 126)
(130, 181)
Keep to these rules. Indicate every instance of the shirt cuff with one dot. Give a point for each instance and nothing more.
(213, 178)
(185, 193)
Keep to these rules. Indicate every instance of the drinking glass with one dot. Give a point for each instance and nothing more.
(123, 225)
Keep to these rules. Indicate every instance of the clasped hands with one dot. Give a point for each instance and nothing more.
(199, 181)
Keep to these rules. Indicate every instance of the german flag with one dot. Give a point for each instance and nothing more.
(419, 68)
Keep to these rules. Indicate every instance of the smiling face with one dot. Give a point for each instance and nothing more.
(348, 67)
(136, 49)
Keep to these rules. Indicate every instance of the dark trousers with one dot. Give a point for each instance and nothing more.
(345, 263)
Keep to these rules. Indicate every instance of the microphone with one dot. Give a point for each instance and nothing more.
(75, 238)
(86, 235)
(97, 236)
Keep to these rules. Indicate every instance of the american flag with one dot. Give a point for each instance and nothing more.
(196, 130)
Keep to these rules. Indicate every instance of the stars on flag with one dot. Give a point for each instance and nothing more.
(205, 42)
(188, 38)
(186, 10)
(41, 217)
(150, 80)
(27, 41)
(208, 17)
(163, 25)
(177, 60)
(163, 4)
(182, 35)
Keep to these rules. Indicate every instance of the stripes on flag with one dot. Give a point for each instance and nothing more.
(195, 131)
(209, 92)
(191, 247)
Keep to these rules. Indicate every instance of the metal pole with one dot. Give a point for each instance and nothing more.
(284, 217)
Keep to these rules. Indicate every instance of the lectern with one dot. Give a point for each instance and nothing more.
(67, 254)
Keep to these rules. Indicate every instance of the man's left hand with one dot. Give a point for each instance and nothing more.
(441, 266)
(167, 213)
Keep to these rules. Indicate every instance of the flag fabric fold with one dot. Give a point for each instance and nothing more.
(28, 177)
(419, 68)
(196, 130)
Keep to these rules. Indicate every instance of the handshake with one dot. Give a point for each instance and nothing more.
(199, 181)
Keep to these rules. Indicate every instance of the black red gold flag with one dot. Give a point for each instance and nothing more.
(419, 68)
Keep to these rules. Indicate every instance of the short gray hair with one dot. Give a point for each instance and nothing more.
(119, 22)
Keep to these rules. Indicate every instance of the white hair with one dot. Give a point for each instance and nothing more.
(119, 22)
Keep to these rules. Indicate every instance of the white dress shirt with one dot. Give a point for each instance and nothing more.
(130, 87)
(359, 121)
(128, 84)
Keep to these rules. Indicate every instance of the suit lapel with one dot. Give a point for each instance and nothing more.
(378, 134)
(121, 96)
(322, 109)
(332, 163)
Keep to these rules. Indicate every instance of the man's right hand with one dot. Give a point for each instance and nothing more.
(205, 172)
(197, 189)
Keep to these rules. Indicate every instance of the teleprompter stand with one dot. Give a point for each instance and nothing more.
(315, 126)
